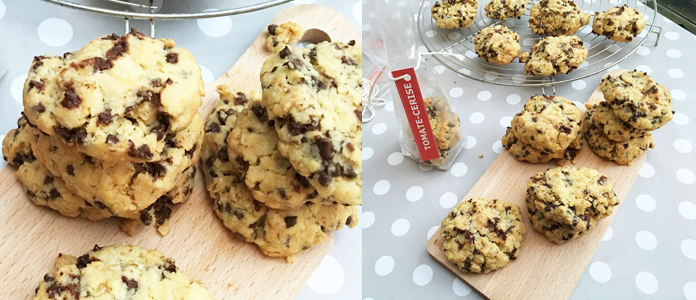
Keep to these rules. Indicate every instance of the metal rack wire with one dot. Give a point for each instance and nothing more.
(151, 10)
(603, 52)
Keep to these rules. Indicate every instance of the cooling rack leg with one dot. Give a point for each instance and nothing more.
(127, 26)
(152, 28)
(657, 31)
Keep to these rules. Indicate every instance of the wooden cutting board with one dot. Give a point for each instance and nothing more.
(543, 269)
(31, 236)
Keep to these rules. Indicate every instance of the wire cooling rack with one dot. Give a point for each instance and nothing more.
(603, 52)
(150, 10)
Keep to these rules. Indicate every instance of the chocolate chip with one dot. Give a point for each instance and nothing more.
(111, 37)
(222, 154)
(172, 58)
(213, 127)
(39, 108)
(70, 169)
(54, 193)
(349, 220)
(85, 260)
(48, 179)
(282, 193)
(189, 152)
(258, 110)
(71, 100)
(272, 29)
(349, 61)
(96, 248)
(324, 178)
(240, 99)
(111, 139)
(285, 52)
(104, 117)
(120, 47)
(36, 84)
(72, 136)
(130, 283)
(37, 62)
(351, 42)
(290, 221)
(170, 140)
(100, 64)
(145, 217)
(242, 164)
(564, 129)
(602, 180)
(358, 113)
(297, 128)
(325, 148)
(155, 169)
(156, 82)
(142, 152)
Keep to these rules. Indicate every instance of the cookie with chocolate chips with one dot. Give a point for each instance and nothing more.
(282, 35)
(620, 152)
(278, 233)
(117, 98)
(548, 123)
(638, 100)
(621, 23)
(481, 236)
(497, 44)
(445, 125)
(129, 272)
(557, 17)
(614, 127)
(454, 13)
(504, 9)
(313, 95)
(267, 173)
(525, 152)
(555, 232)
(554, 55)
(576, 198)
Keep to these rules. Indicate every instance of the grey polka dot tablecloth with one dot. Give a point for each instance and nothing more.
(30, 28)
(649, 252)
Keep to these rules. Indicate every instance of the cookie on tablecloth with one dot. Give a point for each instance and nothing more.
(497, 44)
(557, 17)
(548, 123)
(314, 97)
(554, 55)
(483, 235)
(525, 152)
(454, 13)
(504, 9)
(118, 273)
(621, 23)
(283, 35)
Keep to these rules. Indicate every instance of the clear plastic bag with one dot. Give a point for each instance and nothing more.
(445, 136)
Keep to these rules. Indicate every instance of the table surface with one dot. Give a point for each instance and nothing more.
(649, 251)
(30, 28)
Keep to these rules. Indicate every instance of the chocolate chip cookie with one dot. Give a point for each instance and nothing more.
(638, 100)
(314, 97)
(117, 98)
(621, 152)
(621, 23)
(282, 35)
(614, 127)
(557, 17)
(525, 152)
(483, 235)
(445, 125)
(554, 55)
(548, 123)
(497, 44)
(118, 273)
(454, 13)
(504, 9)
(555, 232)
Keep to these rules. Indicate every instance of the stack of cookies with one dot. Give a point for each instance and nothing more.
(111, 130)
(548, 128)
(619, 128)
(566, 202)
(285, 168)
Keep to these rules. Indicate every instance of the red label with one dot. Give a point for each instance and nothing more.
(416, 113)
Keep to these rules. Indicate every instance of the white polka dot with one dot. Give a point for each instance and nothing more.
(678, 94)
(644, 68)
(613, 48)
(680, 119)
(509, 23)
(586, 29)
(498, 147)
(389, 106)
(600, 272)
(646, 171)
(470, 54)
(688, 247)
(430, 33)
(645, 202)
(675, 73)
(400, 227)
(518, 78)
(456, 92)
(682, 145)
(646, 282)
(685, 176)
(55, 32)
(484, 95)
(207, 75)
(529, 41)
(215, 27)
(673, 53)
(615, 67)
(367, 218)
(608, 234)
(490, 75)
(395, 158)
(2, 9)
(439, 69)
(366, 27)
(357, 11)
(476, 118)
(432, 231)
(422, 275)
(17, 87)
(367, 153)
(464, 71)
(646, 240)
(379, 128)
(671, 35)
(687, 210)
(690, 290)
(584, 64)
(453, 35)
(513, 99)
(422, 49)
(505, 121)
(384, 265)
(470, 142)
(414, 193)
(381, 187)
(579, 84)
(424, 167)
(328, 277)
(448, 200)
(459, 288)
(577, 103)
(642, 50)
(459, 169)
